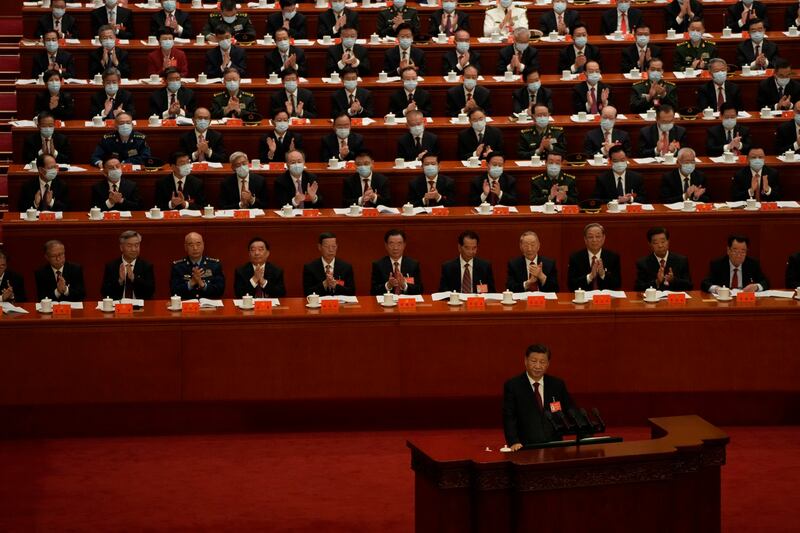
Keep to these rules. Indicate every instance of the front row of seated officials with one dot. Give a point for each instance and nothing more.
(197, 275)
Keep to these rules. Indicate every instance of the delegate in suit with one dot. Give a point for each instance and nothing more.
(531, 271)
(258, 277)
(128, 276)
(663, 270)
(395, 272)
(328, 275)
(467, 273)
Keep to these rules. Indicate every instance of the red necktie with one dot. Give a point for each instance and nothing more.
(466, 280)
(596, 280)
(592, 101)
(448, 28)
(397, 275)
(757, 192)
(539, 402)
(492, 197)
(535, 286)
(623, 23)
(720, 97)
(735, 279)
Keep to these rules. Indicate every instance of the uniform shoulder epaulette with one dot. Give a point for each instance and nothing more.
(245, 93)
(568, 175)
(665, 82)
(110, 135)
(218, 94)
(554, 127)
(709, 41)
(526, 130)
(212, 259)
(215, 15)
(139, 135)
(537, 176)
(641, 82)
(178, 261)
(684, 43)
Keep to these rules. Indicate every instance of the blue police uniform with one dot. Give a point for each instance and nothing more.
(135, 151)
(212, 276)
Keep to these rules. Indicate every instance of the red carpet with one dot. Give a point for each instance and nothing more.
(323, 482)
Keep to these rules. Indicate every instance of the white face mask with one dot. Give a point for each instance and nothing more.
(184, 170)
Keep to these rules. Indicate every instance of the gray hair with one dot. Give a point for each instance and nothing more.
(49, 244)
(236, 155)
(128, 234)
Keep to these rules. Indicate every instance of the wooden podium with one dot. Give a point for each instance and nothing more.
(669, 483)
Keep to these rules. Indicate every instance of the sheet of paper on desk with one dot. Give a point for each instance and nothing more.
(190, 213)
(70, 168)
(523, 296)
(773, 293)
(186, 121)
(388, 210)
(417, 297)
(208, 303)
(788, 204)
(228, 213)
(23, 123)
(540, 209)
(74, 305)
(644, 160)
(613, 294)
(342, 299)
(9, 307)
(527, 163)
(136, 302)
(661, 295)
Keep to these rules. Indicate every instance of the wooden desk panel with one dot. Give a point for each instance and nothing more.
(719, 181)
(502, 103)
(432, 240)
(316, 54)
(382, 139)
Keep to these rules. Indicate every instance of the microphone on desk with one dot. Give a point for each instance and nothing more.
(568, 426)
(557, 425)
(580, 422)
(601, 425)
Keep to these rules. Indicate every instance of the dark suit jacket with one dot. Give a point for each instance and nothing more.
(277, 102)
(159, 20)
(566, 57)
(340, 103)
(468, 141)
(547, 22)
(69, 26)
(229, 192)
(785, 137)
(608, 20)
(790, 16)
(435, 21)
(522, 98)
(418, 187)
(144, 280)
(335, 54)
(192, 188)
(314, 275)
(275, 64)
(383, 268)
(792, 272)
(17, 283)
(351, 189)
(330, 146)
(98, 102)
(96, 65)
(672, 186)
(391, 60)
(523, 423)
(605, 186)
(275, 287)
(745, 54)
(741, 183)
(707, 95)
(214, 61)
(595, 138)
(284, 189)
(508, 184)
(65, 109)
(159, 101)
(408, 151)
(130, 194)
(99, 17)
(327, 20)
(649, 135)
(671, 13)
(450, 61)
(215, 142)
(716, 138)
(719, 273)
(647, 272)
(481, 273)
(46, 283)
(41, 62)
(297, 26)
(33, 144)
(768, 92)
(630, 57)
(398, 101)
(734, 15)
(579, 267)
(281, 147)
(530, 58)
(457, 99)
(580, 96)
(518, 274)
(29, 189)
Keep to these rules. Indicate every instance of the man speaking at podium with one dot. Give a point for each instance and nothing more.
(528, 396)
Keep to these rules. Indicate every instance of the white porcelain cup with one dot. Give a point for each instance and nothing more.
(399, 163)
(374, 38)
(581, 115)
(107, 304)
(566, 74)
(549, 207)
(508, 297)
(462, 118)
(651, 114)
(508, 76)
(536, 160)
(522, 116)
(650, 294)
(355, 209)
(197, 3)
(390, 119)
(152, 40)
(382, 76)
(452, 76)
(442, 38)
(255, 163)
(728, 157)
(389, 298)
(97, 121)
(175, 302)
(269, 39)
(793, 31)
(485, 207)
(670, 33)
(580, 295)
(208, 211)
(688, 205)
(333, 162)
(335, 77)
(553, 35)
(155, 213)
(474, 161)
(200, 39)
(154, 120)
(669, 158)
(689, 71)
(724, 293)
(726, 32)
(745, 70)
(454, 299)
(30, 214)
(98, 79)
(47, 305)
(202, 78)
(408, 209)
(613, 206)
(797, 293)
(599, 159)
(313, 299)
(247, 302)
(789, 155)
(326, 39)
(287, 210)
(95, 213)
(708, 113)
(751, 203)
(635, 73)
(617, 34)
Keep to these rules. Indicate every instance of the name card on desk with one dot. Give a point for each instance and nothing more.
(350, 165)
(276, 166)
(47, 215)
(172, 214)
(601, 299)
(63, 310)
(127, 167)
(200, 166)
(701, 208)
(123, 309)
(356, 122)
(190, 307)
(369, 212)
(169, 122)
(311, 213)
(330, 305)
(476, 303)
(634, 208)
(769, 206)
(536, 301)
(570, 209)
(746, 298)
(676, 299)
(406, 303)
(241, 213)
(234, 122)
(263, 306)
(440, 211)
(500, 210)
(111, 215)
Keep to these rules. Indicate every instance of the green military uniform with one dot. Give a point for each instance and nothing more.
(241, 25)
(542, 183)
(639, 91)
(529, 140)
(247, 103)
(685, 53)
